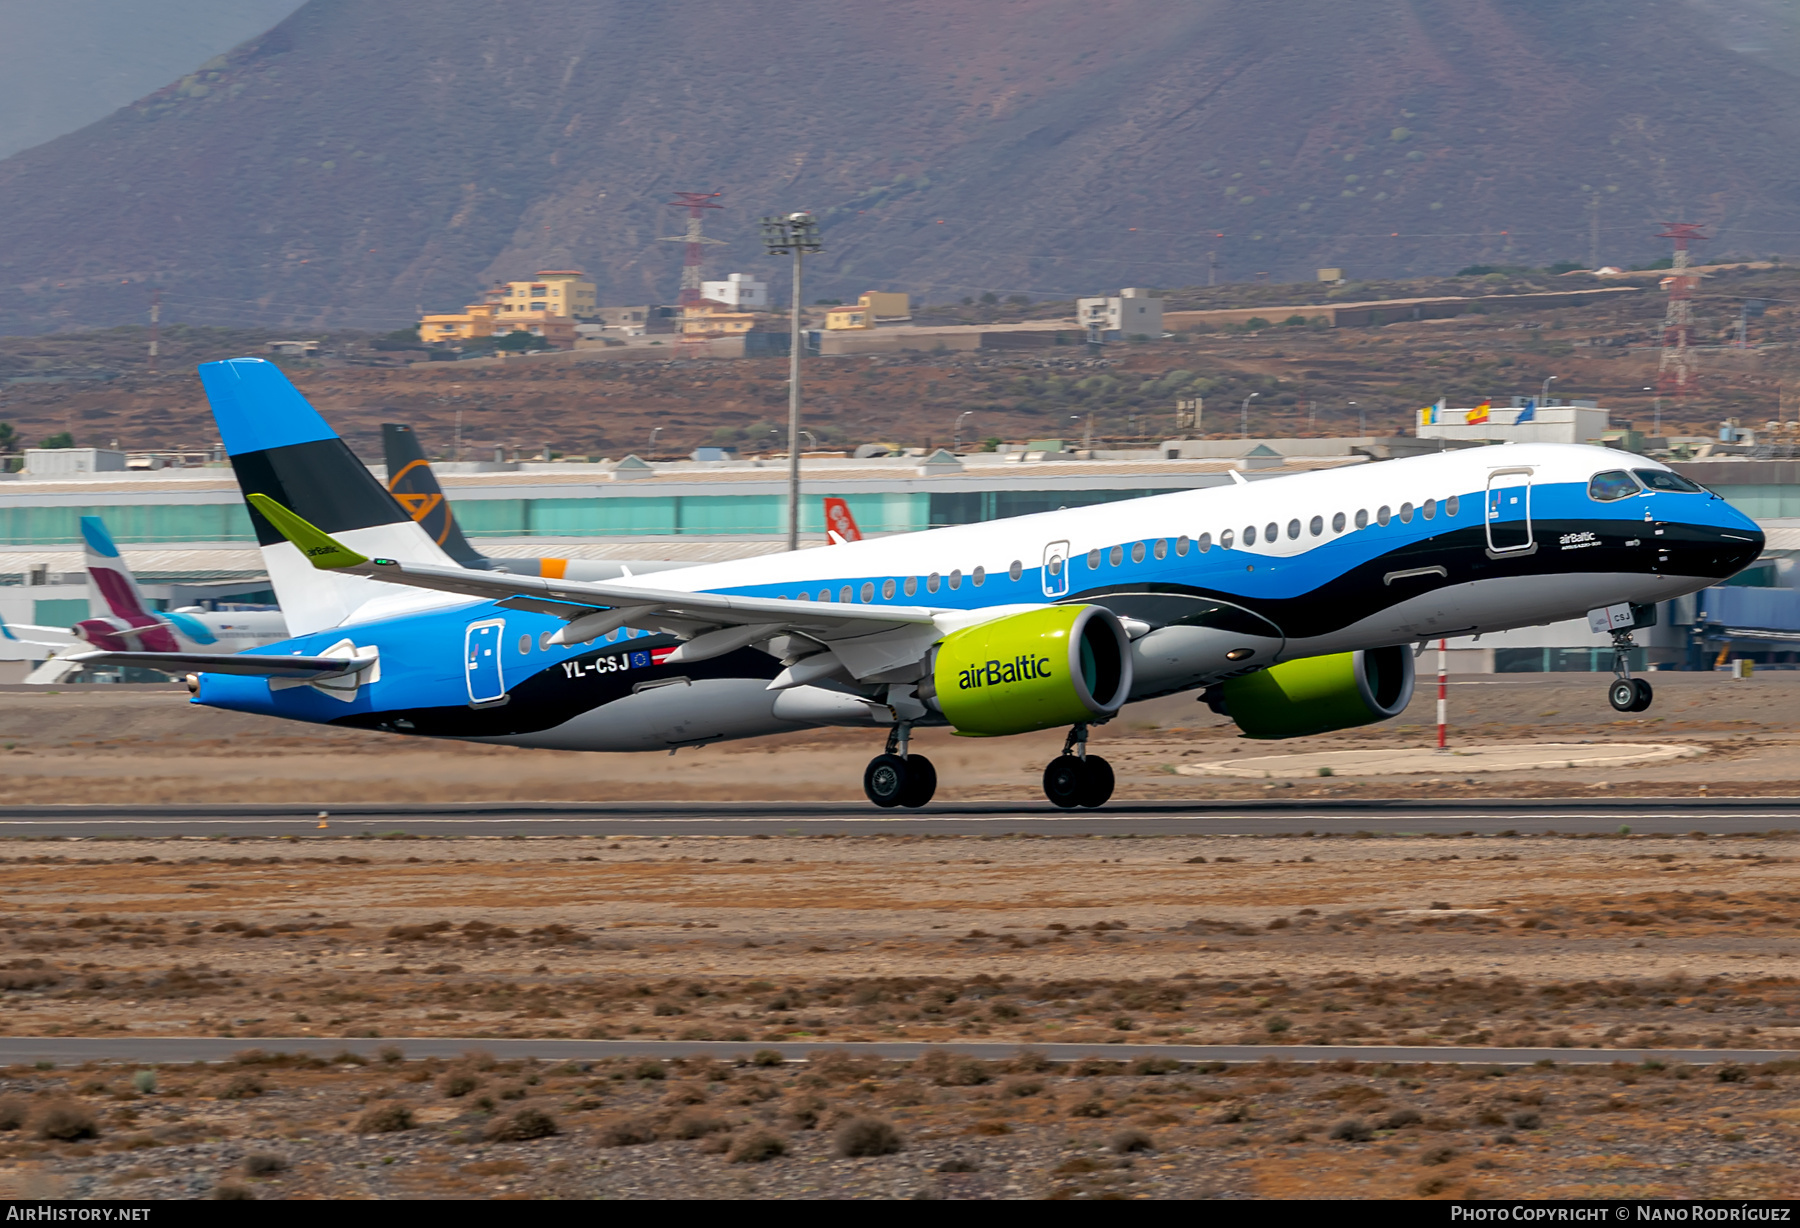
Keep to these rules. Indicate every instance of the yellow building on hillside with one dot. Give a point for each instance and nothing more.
(556, 292)
(548, 305)
(710, 319)
(873, 308)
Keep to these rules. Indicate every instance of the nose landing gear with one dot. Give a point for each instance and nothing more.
(897, 778)
(1626, 694)
(1076, 778)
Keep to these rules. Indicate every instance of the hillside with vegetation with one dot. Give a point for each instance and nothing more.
(360, 162)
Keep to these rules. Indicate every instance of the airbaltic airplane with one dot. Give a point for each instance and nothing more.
(1289, 603)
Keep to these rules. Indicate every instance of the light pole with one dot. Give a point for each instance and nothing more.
(1658, 428)
(1544, 396)
(1244, 415)
(956, 431)
(1361, 420)
(797, 233)
(654, 432)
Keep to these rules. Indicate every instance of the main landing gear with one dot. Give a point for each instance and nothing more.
(1076, 778)
(1626, 694)
(897, 778)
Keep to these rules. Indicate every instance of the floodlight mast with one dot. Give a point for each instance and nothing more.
(797, 233)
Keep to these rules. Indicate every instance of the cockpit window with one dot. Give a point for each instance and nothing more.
(1665, 479)
(1613, 484)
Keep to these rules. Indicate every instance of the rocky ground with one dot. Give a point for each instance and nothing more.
(840, 1127)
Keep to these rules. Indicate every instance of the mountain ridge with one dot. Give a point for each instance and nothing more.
(359, 163)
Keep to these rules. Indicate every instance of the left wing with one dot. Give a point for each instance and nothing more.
(253, 665)
(864, 639)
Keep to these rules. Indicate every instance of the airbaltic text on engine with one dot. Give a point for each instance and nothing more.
(1018, 669)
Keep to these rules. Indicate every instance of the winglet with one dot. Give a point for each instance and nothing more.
(320, 548)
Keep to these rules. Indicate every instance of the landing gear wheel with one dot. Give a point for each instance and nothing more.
(885, 780)
(1064, 781)
(921, 781)
(1644, 695)
(1623, 694)
(1096, 782)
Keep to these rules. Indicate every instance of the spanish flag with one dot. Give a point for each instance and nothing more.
(1478, 415)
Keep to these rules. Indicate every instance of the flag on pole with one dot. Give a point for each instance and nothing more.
(1428, 416)
(1479, 415)
(1528, 413)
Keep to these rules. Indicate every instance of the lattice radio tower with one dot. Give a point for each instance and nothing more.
(696, 203)
(1675, 375)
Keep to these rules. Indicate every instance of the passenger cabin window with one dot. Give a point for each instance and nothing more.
(845, 595)
(1271, 531)
(1316, 526)
(1137, 552)
(1612, 485)
(1293, 530)
(1249, 536)
(1204, 541)
(1161, 548)
(931, 582)
(1118, 555)
(1181, 546)
(912, 585)
(979, 576)
(1016, 570)
(1452, 505)
(1664, 479)
(1430, 508)
(868, 593)
(1406, 513)
(1225, 540)
(887, 590)
(956, 579)
(1382, 515)
(1337, 523)
(1094, 559)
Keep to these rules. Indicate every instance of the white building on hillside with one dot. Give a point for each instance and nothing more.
(1131, 312)
(739, 290)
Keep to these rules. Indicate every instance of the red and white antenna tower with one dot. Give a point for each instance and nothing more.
(1675, 375)
(695, 203)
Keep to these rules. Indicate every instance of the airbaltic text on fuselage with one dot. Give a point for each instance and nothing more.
(1019, 669)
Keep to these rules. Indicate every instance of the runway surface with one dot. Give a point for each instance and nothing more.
(72, 1050)
(1714, 816)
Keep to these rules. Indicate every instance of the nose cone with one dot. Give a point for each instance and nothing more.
(1732, 542)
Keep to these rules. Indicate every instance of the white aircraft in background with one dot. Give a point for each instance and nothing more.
(129, 624)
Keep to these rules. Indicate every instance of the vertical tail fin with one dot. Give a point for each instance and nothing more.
(111, 586)
(840, 525)
(280, 447)
(415, 486)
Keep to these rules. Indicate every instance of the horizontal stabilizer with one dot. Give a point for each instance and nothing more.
(252, 665)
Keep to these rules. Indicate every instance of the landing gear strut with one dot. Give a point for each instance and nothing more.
(896, 778)
(1076, 778)
(1626, 694)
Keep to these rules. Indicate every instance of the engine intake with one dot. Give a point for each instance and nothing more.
(1062, 665)
(1320, 694)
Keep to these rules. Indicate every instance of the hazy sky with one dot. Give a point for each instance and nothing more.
(66, 63)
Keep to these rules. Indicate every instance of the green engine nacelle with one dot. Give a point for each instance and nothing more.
(1320, 694)
(1062, 665)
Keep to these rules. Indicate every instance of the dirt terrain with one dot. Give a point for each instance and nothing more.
(1611, 942)
(124, 744)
